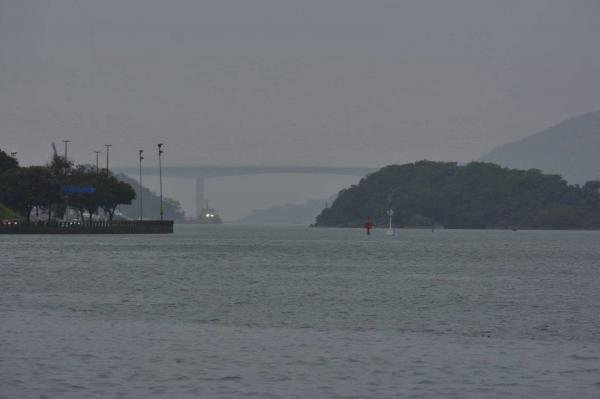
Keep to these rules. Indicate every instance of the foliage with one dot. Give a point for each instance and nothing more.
(7, 162)
(25, 188)
(7, 213)
(111, 193)
(40, 187)
(476, 195)
(83, 176)
(59, 167)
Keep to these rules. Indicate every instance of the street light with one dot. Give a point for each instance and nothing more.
(390, 230)
(160, 151)
(66, 142)
(13, 154)
(66, 172)
(141, 203)
(107, 151)
(97, 166)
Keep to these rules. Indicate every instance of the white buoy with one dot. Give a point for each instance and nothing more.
(390, 231)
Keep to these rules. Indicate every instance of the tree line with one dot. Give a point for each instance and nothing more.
(43, 188)
(475, 195)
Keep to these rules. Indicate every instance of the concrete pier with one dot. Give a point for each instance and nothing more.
(115, 227)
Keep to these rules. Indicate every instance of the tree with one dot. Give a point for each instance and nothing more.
(592, 186)
(83, 176)
(111, 193)
(25, 188)
(59, 167)
(7, 162)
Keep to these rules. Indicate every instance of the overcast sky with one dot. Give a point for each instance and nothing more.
(274, 82)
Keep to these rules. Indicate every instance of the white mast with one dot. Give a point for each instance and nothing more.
(390, 230)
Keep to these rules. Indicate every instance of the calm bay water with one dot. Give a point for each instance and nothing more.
(230, 311)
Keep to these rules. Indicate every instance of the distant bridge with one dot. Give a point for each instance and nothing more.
(201, 173)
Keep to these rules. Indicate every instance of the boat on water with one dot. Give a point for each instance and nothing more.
(209, 215)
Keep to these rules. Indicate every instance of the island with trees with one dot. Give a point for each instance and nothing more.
(477, 195)
(46, 197)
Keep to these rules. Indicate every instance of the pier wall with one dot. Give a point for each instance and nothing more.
(115, 227)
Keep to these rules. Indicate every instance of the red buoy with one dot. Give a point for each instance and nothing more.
(369, 225)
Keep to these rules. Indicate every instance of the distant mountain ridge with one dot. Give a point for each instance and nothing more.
(289, 214)
(570, 148)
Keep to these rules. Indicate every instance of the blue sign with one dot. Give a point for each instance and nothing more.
(78, 190)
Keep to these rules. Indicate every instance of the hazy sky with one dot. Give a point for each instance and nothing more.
(310, 82)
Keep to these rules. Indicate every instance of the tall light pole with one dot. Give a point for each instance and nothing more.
(97, 165)
(160, 151)
(141, 202)
(390, 230)
(66, 171)
(107, 151)
(66, 142)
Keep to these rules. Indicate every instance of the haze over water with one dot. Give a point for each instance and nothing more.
(228, 311)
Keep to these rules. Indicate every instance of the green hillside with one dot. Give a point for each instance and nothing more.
(7, 213)
(477, 195)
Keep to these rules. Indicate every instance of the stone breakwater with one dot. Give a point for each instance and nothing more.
(115, 227)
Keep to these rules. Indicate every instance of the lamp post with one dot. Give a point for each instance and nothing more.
(68, 219)
(66, 142)
(160, 152)
(97, 165)
(107, 152)
(141, 202)
(390, 230)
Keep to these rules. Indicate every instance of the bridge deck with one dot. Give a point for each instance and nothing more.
(222, 171)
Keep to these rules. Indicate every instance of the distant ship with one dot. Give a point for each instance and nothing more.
(208, 215)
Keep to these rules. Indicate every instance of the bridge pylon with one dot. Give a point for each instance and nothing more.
(200, 198)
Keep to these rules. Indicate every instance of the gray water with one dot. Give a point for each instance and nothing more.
(279, 312)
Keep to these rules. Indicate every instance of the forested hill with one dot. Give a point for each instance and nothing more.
(570, 148)
(477, 195)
